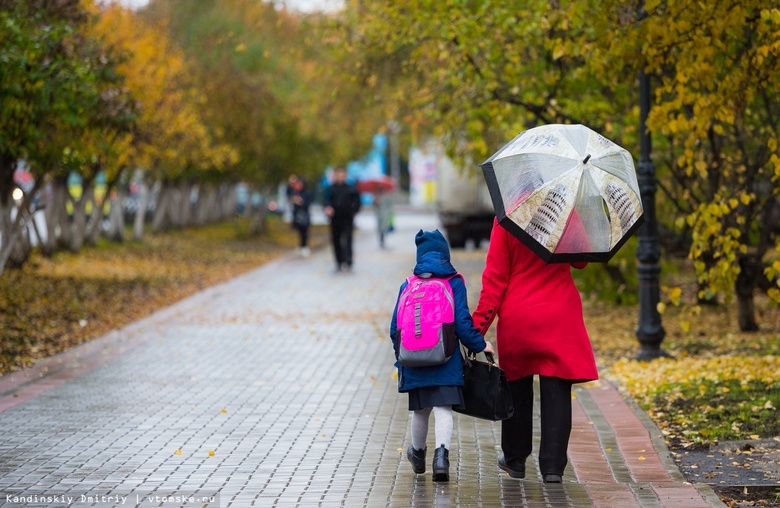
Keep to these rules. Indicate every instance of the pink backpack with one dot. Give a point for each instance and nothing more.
(426, 322)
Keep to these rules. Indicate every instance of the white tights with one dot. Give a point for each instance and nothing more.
(442, 415)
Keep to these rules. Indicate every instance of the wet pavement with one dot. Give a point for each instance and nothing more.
(277, 388)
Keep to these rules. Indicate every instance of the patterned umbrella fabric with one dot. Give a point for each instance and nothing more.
(567, 192)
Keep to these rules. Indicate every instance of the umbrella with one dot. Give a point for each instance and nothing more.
(376, 185)
(565, 191)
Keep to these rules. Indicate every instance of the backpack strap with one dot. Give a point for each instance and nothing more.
(454, 276)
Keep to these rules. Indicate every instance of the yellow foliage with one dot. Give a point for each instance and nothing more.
(171, 134)
(642, 379)
(674, 295)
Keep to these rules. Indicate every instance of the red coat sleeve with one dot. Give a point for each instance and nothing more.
(495, 279)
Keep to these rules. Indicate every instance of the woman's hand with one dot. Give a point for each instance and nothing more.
(488, 349)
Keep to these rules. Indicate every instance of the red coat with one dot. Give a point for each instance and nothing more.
(540, 324)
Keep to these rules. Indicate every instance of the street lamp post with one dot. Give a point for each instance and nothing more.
(650, 332)
(395, 163)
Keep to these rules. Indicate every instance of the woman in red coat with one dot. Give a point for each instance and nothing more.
(540, 332)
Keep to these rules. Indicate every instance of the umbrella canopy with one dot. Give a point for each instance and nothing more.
(376, 185)
(567, 192)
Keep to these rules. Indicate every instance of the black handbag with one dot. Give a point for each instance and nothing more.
(301, 218)
(485, 390)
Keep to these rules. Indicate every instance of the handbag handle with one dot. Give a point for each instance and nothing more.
(469, 357)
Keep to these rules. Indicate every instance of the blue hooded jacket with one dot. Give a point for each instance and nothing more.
(433, 257)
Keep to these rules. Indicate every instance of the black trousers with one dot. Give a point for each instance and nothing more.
(303, 236)
(517, 432)
(341, 236)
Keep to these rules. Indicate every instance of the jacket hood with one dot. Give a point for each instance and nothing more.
(433, 254)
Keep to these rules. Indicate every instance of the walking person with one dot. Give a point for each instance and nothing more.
(540, 331)
(342, 203)
(384, 213)
(301, 217)
(435, 389)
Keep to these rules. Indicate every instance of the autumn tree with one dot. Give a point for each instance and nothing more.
(478, 73)
(270, 84)
(44, 85)
(715, 117)
(98, 147)
(717, 103)
(171, 143)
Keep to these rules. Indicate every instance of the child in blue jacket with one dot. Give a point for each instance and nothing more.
(438, 388)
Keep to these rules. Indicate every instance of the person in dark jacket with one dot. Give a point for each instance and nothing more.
(437, 388)
(342, 203)
(301, 218)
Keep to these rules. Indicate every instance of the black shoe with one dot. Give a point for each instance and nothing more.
(514, 472)
(417, 458)
(552, 478)
(441, 464)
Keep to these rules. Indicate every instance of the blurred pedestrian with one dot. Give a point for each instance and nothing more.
(383, 205)
(541, 331)
(301, 217)
(435, 388)
(342, 203)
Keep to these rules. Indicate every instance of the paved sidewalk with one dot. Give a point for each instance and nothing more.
(277, 389)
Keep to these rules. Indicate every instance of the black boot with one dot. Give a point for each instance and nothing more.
(417, 458)
(441, 464)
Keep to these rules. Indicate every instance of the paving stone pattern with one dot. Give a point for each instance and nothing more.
(277, 389)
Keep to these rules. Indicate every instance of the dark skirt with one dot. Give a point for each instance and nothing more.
(431, 396)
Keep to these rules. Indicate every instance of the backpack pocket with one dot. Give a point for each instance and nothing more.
(449, 339)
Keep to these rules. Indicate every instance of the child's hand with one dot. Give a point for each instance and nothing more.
(488, 348)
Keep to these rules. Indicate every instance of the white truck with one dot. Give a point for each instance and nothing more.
(463, 204)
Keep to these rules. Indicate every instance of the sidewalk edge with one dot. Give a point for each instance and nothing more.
(664, 454)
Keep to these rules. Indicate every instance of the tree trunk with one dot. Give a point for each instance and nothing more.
(116, 218)
(7, 238)
(78, 229)
(57, 225)
(205, 204)
(174, 207)
(7, 167)
(258, 224)
(140, 214)
(185, 214)
(95, 226)
(229, 201)
(15, 240)
(750, 269)
(161, 218)
(22, 248)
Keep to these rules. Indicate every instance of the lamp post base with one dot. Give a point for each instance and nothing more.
(646, 354)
